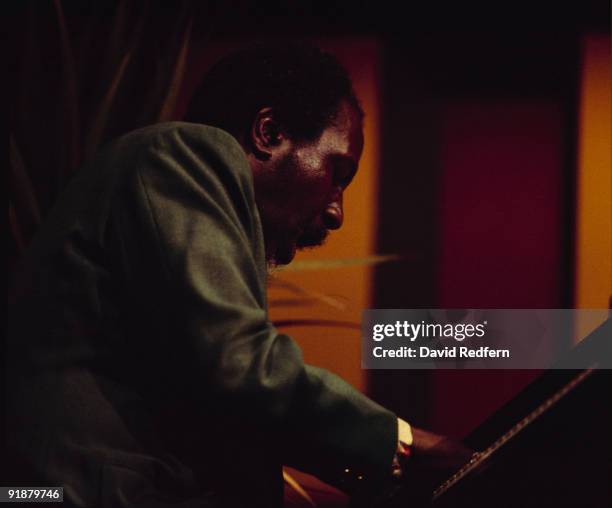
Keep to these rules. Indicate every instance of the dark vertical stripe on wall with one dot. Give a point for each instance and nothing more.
(571, 101)
(407, 212)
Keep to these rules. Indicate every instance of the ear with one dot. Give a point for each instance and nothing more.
(266, 136)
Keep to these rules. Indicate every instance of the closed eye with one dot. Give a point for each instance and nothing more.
(344, 171)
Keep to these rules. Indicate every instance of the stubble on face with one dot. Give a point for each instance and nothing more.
(312, 236)
(283, 249)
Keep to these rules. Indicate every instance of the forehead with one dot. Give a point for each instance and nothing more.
(345, 135)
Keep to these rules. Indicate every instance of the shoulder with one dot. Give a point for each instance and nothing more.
(174, 136)
(196, 134)
(202, 150)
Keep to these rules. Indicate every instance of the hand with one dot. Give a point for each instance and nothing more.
(434, 459)
(439, 452)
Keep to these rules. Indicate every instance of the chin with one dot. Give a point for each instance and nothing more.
(283, 255)
(287, 255)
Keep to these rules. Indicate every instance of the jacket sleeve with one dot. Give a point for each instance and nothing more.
(193, 244)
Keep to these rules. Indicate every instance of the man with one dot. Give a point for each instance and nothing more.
(143, 369)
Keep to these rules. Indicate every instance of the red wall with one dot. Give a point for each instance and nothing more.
(500, 235)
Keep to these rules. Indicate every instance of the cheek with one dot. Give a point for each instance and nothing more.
(311, 198)
(315, 182)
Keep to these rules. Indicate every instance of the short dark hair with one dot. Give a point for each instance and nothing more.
(302, 84)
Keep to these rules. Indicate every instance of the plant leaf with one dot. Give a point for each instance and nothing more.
(327, 264)
(101, 117)
(70, 99)
(293, 483)
(313, 295)
(16, 232)
(286, 323)
(291, 302)
(166, 65)
(169, 103)
(26, 206)
(118, 29)
(99, 122)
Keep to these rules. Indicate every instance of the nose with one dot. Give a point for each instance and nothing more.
(333, 216)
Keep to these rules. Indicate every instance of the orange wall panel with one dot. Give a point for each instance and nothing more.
(593, 269)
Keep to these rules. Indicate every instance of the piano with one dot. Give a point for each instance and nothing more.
(551, 446)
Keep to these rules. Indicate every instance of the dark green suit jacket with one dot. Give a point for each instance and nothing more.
(143, 369)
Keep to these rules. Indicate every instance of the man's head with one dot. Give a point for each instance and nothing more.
(295, 113)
